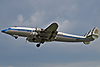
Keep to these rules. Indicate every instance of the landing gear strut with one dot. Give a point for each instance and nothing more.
(42, 42)
(38, 45)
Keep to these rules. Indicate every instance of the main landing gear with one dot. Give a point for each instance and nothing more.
(38, 45)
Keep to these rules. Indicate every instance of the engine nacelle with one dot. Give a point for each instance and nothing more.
(34, 33)
(39, 29)
(32, 37)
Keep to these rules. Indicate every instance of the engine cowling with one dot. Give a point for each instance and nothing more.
(33, 36)
(33, 33)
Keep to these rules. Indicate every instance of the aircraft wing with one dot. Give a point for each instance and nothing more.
(52, 27)
(50, 32)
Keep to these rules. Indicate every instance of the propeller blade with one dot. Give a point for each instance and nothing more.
(36, 28)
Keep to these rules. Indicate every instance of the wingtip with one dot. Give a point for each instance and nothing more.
(55, 23)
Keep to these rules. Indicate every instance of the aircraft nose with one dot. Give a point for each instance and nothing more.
(3, 31)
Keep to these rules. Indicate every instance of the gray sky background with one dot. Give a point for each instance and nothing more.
(73, 16)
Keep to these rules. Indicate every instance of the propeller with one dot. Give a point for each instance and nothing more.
(37, 32)
(36, 28)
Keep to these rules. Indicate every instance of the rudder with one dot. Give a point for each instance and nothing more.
(92, 35)
(95, 33)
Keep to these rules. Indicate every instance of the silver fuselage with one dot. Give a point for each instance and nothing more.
(62, 37)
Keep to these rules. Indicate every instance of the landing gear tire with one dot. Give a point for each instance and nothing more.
(38, 45)
(16, 37)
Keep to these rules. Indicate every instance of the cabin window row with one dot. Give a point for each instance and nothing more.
(20, 30)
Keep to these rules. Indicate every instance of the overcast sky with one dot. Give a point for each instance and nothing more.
(73, 16)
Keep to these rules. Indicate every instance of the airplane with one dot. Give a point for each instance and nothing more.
(39, 35)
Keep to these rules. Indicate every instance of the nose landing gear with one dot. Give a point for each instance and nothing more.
(16, 37)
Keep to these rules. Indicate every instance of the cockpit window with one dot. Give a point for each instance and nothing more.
(9, 28)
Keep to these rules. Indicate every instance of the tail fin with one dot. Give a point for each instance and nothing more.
(95, 33)
(92, 34)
